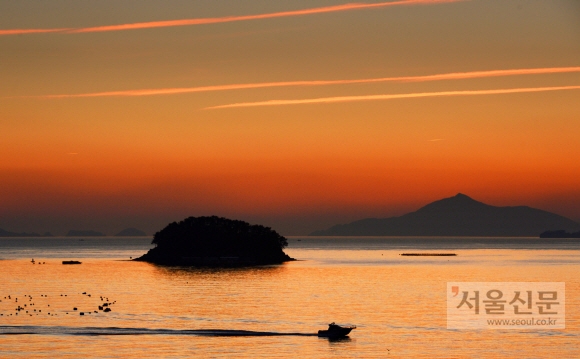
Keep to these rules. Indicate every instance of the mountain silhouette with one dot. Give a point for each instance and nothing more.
(458, 216)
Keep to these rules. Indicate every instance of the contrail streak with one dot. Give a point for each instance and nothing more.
(30, 31)
(437, 77)
(216, 20)
(480, 74)
(393, 96)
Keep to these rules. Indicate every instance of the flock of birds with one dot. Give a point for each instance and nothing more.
(26, 306)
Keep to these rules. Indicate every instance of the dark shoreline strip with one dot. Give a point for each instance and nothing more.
(429, 254)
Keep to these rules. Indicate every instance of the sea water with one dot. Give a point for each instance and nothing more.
(398, 303)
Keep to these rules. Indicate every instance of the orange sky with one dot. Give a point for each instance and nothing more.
(82, 148)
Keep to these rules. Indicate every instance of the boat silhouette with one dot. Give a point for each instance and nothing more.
(336, 331)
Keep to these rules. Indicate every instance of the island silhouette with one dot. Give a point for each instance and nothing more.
(131, 232)
(216, 241)
(458, 216)
(4, 233)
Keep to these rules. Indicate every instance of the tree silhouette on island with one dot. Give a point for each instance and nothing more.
(216, 241)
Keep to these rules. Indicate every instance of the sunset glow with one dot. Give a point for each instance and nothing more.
(294, 115)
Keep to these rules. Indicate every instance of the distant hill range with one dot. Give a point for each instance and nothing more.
(84, 233)
(131, 232)
(4, 233)
(559, 234)
(458, 216)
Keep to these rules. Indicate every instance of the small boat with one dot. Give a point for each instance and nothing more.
(71, 262)
(336, 331)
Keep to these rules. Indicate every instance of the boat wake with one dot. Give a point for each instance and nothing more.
(91, 331)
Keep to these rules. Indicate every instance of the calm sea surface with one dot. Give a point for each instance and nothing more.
(398, 303)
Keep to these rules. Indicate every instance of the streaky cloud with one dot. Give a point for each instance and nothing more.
(393, 97)
(30, 31)
(217, 20)
(437, 77)
(182, 90)
(481, 74)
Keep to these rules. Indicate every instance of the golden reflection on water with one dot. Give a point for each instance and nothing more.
(398, 304)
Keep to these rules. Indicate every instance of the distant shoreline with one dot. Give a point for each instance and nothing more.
(76, 237)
